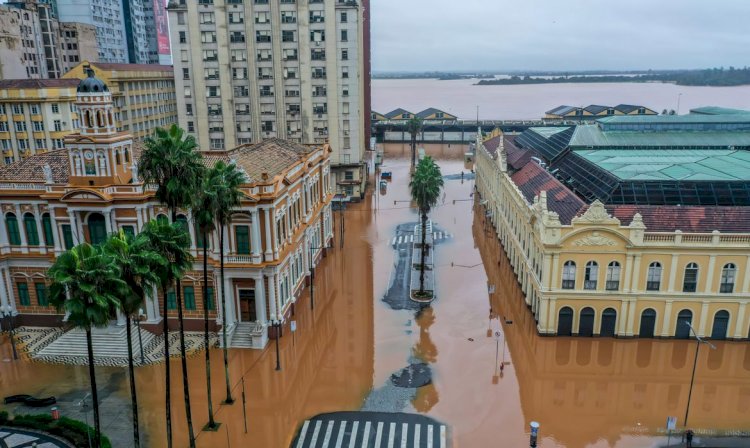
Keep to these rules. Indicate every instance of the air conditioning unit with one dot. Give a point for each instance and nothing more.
(346, 132)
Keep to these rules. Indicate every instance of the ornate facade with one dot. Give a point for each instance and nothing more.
(52, 201)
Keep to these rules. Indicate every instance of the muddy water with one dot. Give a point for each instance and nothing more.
(584, 392)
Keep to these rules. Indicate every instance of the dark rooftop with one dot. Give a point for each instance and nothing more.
(533, 179)
(38, 83)
(660, 218)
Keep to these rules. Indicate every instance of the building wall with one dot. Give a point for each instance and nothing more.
(538, 247)
(107, 17)
(21, 44)
(78, 42)
(235, 87)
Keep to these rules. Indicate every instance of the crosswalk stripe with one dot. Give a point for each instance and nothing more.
(314, 439)
(391, 434)
(394, 241)
(302, 434)
(404, 433)
(442, 436)
(399, 240)
(340, 438)
(353, 440)
(366, 437)
(417, 430)
(429, 436)
(411, 238)
(329, 430)
(379, 435)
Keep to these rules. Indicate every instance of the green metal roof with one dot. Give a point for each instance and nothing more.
(671, 164)
(592, 135)
(715, 110)
(669, 119)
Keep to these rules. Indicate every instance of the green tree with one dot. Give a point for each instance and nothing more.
(228, 196)
(171, 161)
(138, 265)
(414, 127)
(85, 285)
(425, 188)
(171, 242)
(204, 213)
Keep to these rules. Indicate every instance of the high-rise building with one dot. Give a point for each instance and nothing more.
(256, 69)
(21, 44)
(108, 18)
(78, 43)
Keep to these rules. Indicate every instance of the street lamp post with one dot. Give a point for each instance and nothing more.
(312, 273)
(699, 341)
(7, 313)
(277, 327)
(140, 338)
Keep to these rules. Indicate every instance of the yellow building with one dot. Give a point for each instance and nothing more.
(35, 115)
(143, 94)
(625, 270)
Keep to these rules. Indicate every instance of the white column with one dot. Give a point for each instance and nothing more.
(636, 273)
(630, 329)
(22, 228)
(120, 318)
(11, 294)
(39, 230)
(543, 313)
(231, 302)
(269, 243)
(552, 316)
(226, 239)
(152, 306)
(4, 243)
(745, 280)
(55, 231)
(255, 239)
(622, 317)
(554, 283)
(703, 319)
(739, 325)
(260, 300)
(3, 296)
(272, 296)
(667, 317)
(108, 221)
(139, 220)
(191, 230)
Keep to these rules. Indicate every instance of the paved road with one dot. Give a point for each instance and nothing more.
(371, 430)
(19, 438)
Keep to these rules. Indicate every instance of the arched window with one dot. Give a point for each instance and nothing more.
(110, 121)
(721, 325)
(613, 276)
(728, 275)
(89, 121)
(609, 321)
(127, 155)
(690, 282)
(648, 323)
(682, 328)
(565, 321)
(97, 228)
(569, 275)
(29, 224)
(586, 324)
(653, 282)
(117, 157)
(162, 218)
(11, 225)
(99, 119)
(49, 238)
(591, 275)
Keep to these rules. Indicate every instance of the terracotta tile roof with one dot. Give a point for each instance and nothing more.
(30, 169)
(668, 218)
(132, 67)
(533, 179)
(517, 157)
(38, 83)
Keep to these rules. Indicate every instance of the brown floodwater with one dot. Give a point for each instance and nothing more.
(584, 392)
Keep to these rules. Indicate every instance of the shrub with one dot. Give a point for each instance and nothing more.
(66, 428)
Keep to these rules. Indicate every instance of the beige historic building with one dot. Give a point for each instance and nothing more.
(626, 270)
(90, 188)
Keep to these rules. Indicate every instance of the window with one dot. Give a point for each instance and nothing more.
(23, 293)
(58, 125)
(49, 240)
(67, 236)
(20, 126)
(210, 298)
(239, 55)
(206, 17)
(129, 231)
(344, 55)
(344, 35)
(288, 16)
(591, 275)
(349, 175)
(653, 281)
(690, 282)
(236, 17)
(287, 36)
(613, 276)
(210, 55)
(171, 300)
(344, 72)
(185, 73)
(180, 18)
(343, 17)
(191, 126)
(41, 294)
(55, 108)
(208, 37)
(11, 223)
(189, 297)
(242, 237)
(34, 109)
(728, 275)
(29, 224)
(38, 125)
(569, 275)
(183, 37)
(216, 143)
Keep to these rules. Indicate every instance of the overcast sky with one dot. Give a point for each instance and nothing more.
(423, 35)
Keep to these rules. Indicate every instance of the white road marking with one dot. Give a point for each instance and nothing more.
(429, 436)
(379, 435)
(329, 431)
(353, 440)
(394, 241)
(417, 430)
(366, 437)
(302, 434)
(442, 436)
(391, 434)
(340, 438)
(404, 432)
(314, 439)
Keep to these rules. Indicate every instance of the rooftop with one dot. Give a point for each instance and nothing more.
(396, 112)
(533, 179)
(635, 131)
(38, 83)
(714, 110)
(132, 67)
(660, 218)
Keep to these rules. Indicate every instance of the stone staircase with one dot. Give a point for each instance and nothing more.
(109, 342)
(248, 335)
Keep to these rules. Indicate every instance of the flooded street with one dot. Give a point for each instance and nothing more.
(584, 392)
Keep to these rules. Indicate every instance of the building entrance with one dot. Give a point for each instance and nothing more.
(247, 305)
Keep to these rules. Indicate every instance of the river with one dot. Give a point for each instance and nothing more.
(530, 101)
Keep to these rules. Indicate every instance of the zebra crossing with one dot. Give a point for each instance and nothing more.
(408, 239)
(371, 430)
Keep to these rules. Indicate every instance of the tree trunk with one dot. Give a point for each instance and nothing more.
(131, 371)
(424, 251)
(211, 422)
(167, 387)
(413, 151)
(94, 393)
(229, 399)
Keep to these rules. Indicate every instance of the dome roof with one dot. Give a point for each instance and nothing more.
(92, 84)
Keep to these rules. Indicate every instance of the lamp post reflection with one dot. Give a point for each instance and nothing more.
(7, 313)
(699, 340)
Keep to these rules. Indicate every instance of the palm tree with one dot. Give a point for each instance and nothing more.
(171, 160)
(172, 242)
(138, 265)
(228, 197)
(85, 282)
(204, 212)
(425, 190)
(414, 127)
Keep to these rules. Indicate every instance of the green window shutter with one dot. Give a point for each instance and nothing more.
(14, 236)
(23, 294)
(49, 238)
(189, 298)
(97, 229)
(210, 297)
(41, 294)
(171, 300)
(129, 231)
(242, 236)
(67, 236)
(199, 238)
(31, 234)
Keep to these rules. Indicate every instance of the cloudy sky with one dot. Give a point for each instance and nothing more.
(424, 35)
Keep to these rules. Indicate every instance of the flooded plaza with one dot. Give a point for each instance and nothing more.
(585, 392)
